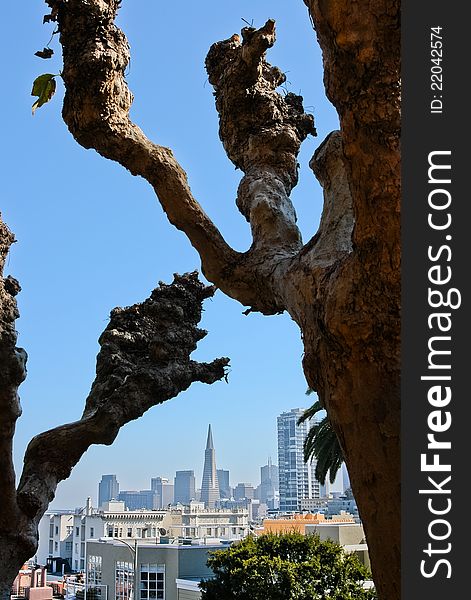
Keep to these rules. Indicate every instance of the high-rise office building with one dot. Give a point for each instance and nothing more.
(224, 484)
(108, 489)
(269, 473)
(345, 477)
(209, 484)
(244, 491)
(297, 479)
(269, 482)
(164, 490)
(185, 487)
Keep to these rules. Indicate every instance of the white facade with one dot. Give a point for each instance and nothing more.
(195, 521)
(55, 536)
(65, 534)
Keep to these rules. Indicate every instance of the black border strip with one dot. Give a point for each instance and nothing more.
(434, 273)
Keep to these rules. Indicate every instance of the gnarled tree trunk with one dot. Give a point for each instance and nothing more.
(360, 379)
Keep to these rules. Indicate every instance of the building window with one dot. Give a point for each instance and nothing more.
(94, 570)
(77, 531)
(57, 530)
(110, 531)
(152, 582)
(124, 580)
(129, 531)
(50, 547)
(56, 546)
(92, 532)
(208, 531)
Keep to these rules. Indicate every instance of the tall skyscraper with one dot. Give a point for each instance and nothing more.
(345, 477)
(185, 486)
(209, 484)
(297, 479)
(244, 491)
(224, 484)
(108, 489)
(269, 482)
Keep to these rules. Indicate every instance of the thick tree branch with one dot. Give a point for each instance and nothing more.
(262, 132)
(334, 237)
(12, 372)
(144, 360)
(96, 110)
(362, 63)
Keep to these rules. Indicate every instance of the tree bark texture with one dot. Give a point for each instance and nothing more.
(360, 42)
(144, 360)
(343, 286)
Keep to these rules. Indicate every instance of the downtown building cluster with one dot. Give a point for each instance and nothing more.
(215, 490)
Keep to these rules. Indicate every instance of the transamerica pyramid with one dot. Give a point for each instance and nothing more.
(210, 484)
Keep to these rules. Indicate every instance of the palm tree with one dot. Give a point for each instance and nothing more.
(322, 443)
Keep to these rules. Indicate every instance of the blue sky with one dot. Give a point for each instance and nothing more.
(91, 237)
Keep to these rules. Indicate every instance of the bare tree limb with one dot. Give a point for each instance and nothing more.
(144, 360)
(12, 371)
(96, 110)
(262, 132)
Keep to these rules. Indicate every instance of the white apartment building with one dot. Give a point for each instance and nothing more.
(64, 534)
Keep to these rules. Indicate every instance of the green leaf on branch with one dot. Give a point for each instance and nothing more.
(44, 87)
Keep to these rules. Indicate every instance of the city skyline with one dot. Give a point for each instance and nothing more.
(167, 475)
(215, 485)
(268, 472)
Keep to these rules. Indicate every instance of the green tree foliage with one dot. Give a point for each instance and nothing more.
(287, 566)
(322, 444)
